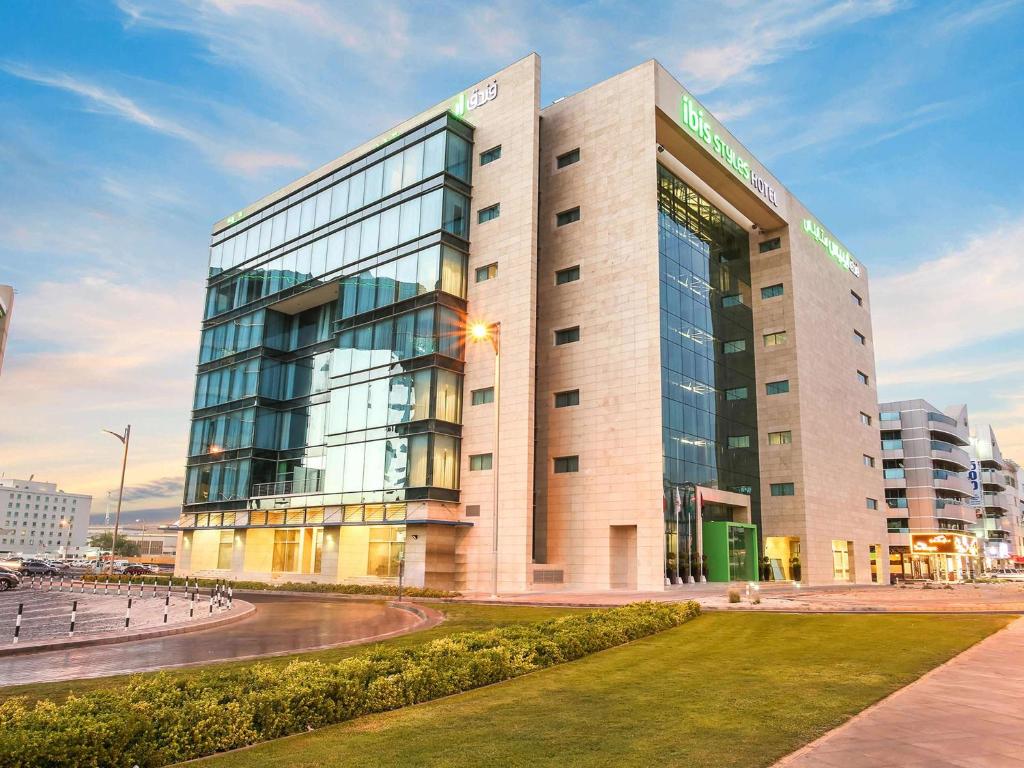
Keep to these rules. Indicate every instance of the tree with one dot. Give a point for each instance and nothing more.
(125, 547)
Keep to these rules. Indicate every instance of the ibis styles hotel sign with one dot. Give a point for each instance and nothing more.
(832, 248)
(692, 116)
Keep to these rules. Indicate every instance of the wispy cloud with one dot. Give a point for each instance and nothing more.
(105, 100)
(963, 297)
(761, 34)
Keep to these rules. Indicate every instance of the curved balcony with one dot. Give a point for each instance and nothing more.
(946, 510)
(994, 477)
(1002, 503)
(951, 481)
(948, 429)
(952, 454)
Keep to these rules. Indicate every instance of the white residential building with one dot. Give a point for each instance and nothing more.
(38, 518)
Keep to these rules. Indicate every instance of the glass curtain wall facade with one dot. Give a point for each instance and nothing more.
(354, 399)
(709, 416)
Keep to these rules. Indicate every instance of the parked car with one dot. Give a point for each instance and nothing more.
(8, 580)
(1011, 575)
(135, 569)
(37, 568)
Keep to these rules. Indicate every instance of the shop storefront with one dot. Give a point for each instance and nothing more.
(939, 556)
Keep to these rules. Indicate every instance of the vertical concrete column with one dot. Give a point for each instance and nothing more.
(238, 552)
(183, 556)
(330, 556)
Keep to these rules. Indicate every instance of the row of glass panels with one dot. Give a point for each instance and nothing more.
(438, 209)
(401, 170)
(351, 513)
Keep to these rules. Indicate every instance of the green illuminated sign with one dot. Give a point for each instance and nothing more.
(832, 248)
(476, 98)
(692, 116)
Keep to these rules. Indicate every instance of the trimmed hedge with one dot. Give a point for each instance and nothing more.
(157, 720)
(287, 586)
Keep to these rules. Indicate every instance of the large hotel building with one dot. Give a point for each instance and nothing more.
(505, 348)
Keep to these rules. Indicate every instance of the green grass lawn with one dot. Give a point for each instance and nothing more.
(459, 617)
(729, 689)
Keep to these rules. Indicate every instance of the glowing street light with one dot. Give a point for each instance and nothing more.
(120, 494)
(483, 332)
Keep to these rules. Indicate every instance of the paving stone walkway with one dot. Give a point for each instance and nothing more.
(964, 714)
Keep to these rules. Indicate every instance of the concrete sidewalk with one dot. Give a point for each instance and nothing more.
(966, 713)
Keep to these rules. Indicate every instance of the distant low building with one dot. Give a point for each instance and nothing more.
(152, 541)
(40, 519)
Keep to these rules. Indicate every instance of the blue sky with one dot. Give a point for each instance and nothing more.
(129, 127)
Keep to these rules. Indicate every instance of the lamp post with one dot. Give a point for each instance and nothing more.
(492, 332)
(120, 493)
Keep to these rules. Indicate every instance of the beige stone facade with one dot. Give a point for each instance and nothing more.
(566, 275)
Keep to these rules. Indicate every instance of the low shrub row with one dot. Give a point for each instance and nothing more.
(157, 720)
(287, 586)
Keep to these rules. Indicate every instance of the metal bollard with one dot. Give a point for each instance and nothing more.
(74, 610)
(82, 582)
(95, 585)
(192, 605)
(118, 586)
(211, 601)
(50, 585)
(128, 614)
(17, 622)
(167, 605)
(231, 596)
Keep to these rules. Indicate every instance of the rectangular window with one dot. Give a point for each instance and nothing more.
(479, 462)
(486, 273)
(567, 217)
(777, 387)
(872, 503)
(566, 399)
(739, 441)
(565, 464)
(567, 336)
(859, 337)
(783, 489)
(224, 550)
(482, 396)
(771, 291)
(770, 245)
(732, 300)
(862, 377)
(570, 157)
(841, 570)
(731, 347)
(889, 416)
(488, 213)
(865, 419)
(568, 275)
(856, 299)
(775, 339)
(780, 438)
(869, 461)
(736, 393)
(490, 155)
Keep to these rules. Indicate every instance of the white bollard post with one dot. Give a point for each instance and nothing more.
(128, 615)
(74, 610)
(17, 622)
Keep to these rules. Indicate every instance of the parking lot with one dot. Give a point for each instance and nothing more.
(101, 608)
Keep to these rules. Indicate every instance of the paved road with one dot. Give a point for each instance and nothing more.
(965, 714)
(281, 625)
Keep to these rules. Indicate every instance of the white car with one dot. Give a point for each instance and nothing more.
(1008, 574)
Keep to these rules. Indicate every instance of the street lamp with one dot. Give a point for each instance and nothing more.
(492, 332)
(120, 493)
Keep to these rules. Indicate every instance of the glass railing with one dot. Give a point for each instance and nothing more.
(894, 474)
(892, 445)
(896, 503)
(942, 445)
(941, 418)
(944, 474)
(306, 484)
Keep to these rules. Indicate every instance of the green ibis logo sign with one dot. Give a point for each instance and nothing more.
(468, 101)
(832, 248)
(692, 116)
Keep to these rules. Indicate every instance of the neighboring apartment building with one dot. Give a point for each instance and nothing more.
(999, 522)
(6, 310)
(590, 346)
(928, 491)
(39, 519)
